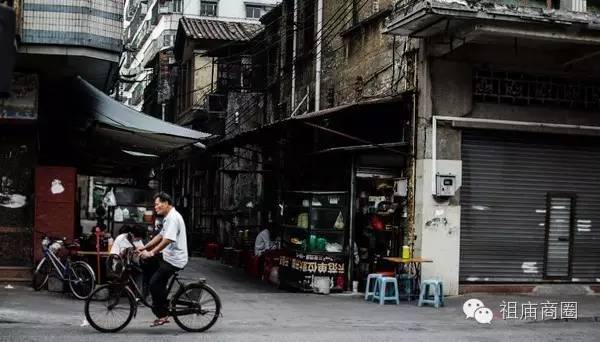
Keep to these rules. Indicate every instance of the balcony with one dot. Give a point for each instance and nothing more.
(208, 117)
(461, 22)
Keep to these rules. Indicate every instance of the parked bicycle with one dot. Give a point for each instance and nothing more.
(195, 307)
(78, 274)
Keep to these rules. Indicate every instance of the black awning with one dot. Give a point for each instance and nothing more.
(129, 129)
(354, 112)
(116, 136)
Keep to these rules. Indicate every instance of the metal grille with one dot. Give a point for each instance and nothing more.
(506, 181)
(527, 89)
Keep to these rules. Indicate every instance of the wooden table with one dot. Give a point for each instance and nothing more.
(410, 266)
(88, 253)
(98, 255)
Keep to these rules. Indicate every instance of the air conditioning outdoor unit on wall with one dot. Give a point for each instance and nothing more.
(573, 5)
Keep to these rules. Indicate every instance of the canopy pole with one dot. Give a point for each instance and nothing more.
(351, 137)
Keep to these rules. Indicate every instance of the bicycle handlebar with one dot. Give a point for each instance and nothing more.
(54, 238)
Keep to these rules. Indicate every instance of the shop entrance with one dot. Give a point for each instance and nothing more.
(380, 212)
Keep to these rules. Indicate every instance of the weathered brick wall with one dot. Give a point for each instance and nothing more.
(362, 62)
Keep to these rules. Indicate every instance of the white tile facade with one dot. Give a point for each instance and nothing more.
(91, 23)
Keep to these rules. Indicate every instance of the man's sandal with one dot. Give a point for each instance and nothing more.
(159, 321)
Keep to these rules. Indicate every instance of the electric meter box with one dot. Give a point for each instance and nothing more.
(445, 185)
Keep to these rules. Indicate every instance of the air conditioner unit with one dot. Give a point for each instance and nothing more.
(573, 5)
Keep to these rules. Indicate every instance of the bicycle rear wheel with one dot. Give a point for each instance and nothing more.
(196, 308)
(109, 308)
(81, 279)
(40, 276)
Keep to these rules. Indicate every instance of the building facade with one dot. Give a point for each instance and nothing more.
(55, 43)
(149, 35)
(507, 108)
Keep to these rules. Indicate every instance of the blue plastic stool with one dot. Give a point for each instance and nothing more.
(382, 292)
(437, 299)
(370, 288)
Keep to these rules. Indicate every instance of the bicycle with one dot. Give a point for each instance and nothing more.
(78, 274)
(111, 307)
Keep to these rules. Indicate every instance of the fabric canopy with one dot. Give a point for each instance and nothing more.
(118, 126)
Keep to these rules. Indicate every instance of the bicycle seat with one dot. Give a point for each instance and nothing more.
(72, 245)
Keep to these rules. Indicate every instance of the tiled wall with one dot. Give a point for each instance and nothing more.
(90, 23)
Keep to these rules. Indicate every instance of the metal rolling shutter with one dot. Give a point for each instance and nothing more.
(506, 178)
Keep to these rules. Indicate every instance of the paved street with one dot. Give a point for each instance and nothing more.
(253, 311)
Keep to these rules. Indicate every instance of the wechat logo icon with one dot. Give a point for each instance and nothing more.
(474, 308)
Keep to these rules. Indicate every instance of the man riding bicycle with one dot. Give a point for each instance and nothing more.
(172, 242)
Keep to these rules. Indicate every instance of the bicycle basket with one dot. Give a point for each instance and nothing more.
(115, 268)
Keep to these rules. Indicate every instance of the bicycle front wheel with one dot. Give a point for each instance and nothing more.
(109, 308)
(196, 308)
(81, 279)
(40, 276)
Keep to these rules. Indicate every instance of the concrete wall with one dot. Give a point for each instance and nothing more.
(437, 225)
(202, 77)
(446, 89)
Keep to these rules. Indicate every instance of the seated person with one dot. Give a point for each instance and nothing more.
(128, 237)
(263, 242)
(131, 237)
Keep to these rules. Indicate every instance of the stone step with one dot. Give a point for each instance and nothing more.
(15, 274)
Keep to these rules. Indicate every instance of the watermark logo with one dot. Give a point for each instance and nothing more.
(534, 311)
(512, 310)
(474, 308)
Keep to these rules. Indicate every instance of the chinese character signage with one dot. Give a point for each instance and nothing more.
(22, 103)
(313, 264)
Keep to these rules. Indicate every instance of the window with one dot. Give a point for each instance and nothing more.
(253, 11)
(208, 8)
(167, 40)
(176, 6)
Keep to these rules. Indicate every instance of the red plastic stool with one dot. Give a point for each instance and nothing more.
(252, 268)
(211, 251)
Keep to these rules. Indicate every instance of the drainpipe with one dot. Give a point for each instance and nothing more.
(410, 201)
(435, 119)
(294, 43)
(318, 64)
(351, 222)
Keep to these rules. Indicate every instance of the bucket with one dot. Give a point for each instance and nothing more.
(321, 285)
(405, 252)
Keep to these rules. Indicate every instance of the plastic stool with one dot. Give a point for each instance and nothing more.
(211, 251)
(438, 293)
(381, 290)
(368, 291)
(252, 266)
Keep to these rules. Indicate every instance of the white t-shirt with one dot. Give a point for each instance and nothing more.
(175, 253)
(263, 242)
(121, 243)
